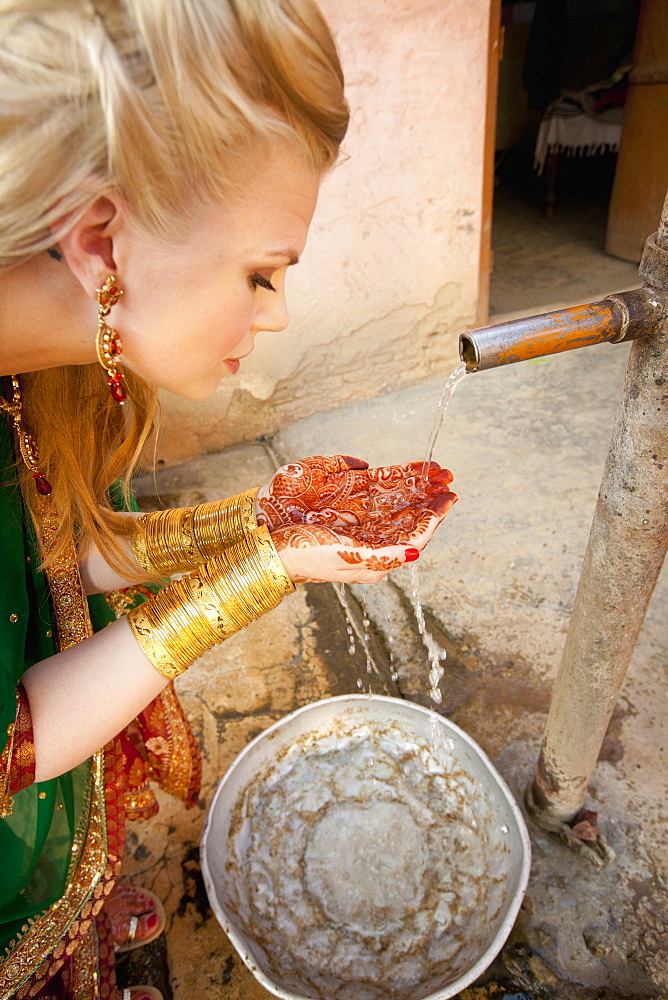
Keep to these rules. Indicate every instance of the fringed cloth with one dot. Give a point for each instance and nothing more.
(567, 127)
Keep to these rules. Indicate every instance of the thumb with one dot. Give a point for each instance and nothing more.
(348, 462)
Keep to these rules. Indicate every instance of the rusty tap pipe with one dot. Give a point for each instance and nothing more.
(616, 318)
(626, 550)
(628, 541)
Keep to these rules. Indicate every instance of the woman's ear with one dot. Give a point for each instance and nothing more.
(88, 247)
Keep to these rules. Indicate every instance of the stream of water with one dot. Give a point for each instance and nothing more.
(356, 633)
(435, 652)
(451, 384)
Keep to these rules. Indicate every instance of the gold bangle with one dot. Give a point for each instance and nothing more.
(189, 616)
(171, 541)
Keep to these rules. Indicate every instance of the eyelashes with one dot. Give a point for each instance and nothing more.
(257, 279)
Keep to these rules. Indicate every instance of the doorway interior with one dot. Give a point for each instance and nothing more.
(551, 253)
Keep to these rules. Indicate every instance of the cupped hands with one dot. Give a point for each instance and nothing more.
(332, 518)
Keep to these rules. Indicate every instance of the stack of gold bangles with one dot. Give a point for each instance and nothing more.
(171, 541)
(241, 577)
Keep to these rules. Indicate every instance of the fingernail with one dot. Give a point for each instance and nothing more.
(152, 921)
(411, 555)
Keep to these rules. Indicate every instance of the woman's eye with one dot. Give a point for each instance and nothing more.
(257, 279)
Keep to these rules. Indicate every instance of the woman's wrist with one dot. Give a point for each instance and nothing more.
(191, 615)
(173, 541)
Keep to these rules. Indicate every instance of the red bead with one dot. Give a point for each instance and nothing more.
(117, 391)
(115, 348)
(42, 484)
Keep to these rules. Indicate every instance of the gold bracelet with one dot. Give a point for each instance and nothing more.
(189, 616)
(171, 541)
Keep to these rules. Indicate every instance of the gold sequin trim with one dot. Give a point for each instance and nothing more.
(121, 601)
(5, 762)
(181, 762)
(41, 941)
(140, 804)
(43, 935)
(85, 983)
(68, 598)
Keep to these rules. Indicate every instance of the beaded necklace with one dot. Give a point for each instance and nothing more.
(27, 443)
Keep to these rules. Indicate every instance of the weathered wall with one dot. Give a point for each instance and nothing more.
(390, 274)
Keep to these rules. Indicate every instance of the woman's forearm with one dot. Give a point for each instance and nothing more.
(82, 698)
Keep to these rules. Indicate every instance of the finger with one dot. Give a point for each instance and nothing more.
(436, 503)
(353, 463)
(370, 560)
(411, 470)
(440, 477)
(442, 503)
(412, 525)
(387, 473)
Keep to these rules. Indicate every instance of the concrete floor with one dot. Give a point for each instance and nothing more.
(527, 446)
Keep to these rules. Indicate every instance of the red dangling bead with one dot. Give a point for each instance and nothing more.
(42, 485)
(117, 389)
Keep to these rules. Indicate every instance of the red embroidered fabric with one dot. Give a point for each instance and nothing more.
(18, 757)
(159, 746)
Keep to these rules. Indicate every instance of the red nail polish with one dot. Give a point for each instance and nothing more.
(152, 921)
(412, 555)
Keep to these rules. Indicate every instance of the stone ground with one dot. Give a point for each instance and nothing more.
(527, 446)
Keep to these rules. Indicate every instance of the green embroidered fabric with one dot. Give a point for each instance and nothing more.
(36, 839)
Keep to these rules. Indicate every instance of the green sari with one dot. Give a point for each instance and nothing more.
(43, 840)
(61, 841)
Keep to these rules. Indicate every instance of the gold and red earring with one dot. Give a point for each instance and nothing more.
(107, 342)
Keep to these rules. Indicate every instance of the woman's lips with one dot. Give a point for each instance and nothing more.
(233, 364)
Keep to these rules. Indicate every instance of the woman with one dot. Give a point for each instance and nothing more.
(160, 167)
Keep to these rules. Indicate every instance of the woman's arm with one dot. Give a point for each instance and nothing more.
(82, 698)
(374, 520)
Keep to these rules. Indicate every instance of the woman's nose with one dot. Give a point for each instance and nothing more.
(274, 315)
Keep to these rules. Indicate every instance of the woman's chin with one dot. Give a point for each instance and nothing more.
(195, 391)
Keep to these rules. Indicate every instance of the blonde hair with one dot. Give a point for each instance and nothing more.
(166, 102)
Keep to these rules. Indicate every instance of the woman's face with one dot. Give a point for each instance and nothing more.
(191, 309)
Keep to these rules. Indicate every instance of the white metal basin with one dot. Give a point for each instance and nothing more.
(365, 848)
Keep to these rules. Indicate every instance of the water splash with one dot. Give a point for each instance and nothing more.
(355, 634)
(435, 652)
(384, 609)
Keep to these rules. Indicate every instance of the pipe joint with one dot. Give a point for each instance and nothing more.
(641, 310)
(654, 263)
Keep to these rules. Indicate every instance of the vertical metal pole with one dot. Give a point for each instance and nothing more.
(626, 549)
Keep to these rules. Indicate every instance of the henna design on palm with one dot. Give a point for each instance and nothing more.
(359, 544)
(340, 491)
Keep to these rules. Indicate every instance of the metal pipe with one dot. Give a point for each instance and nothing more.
(626, 549)
(618, 317)
(625, 552)
(629, 534)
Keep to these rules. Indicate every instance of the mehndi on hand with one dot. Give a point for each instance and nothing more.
(333, 518)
